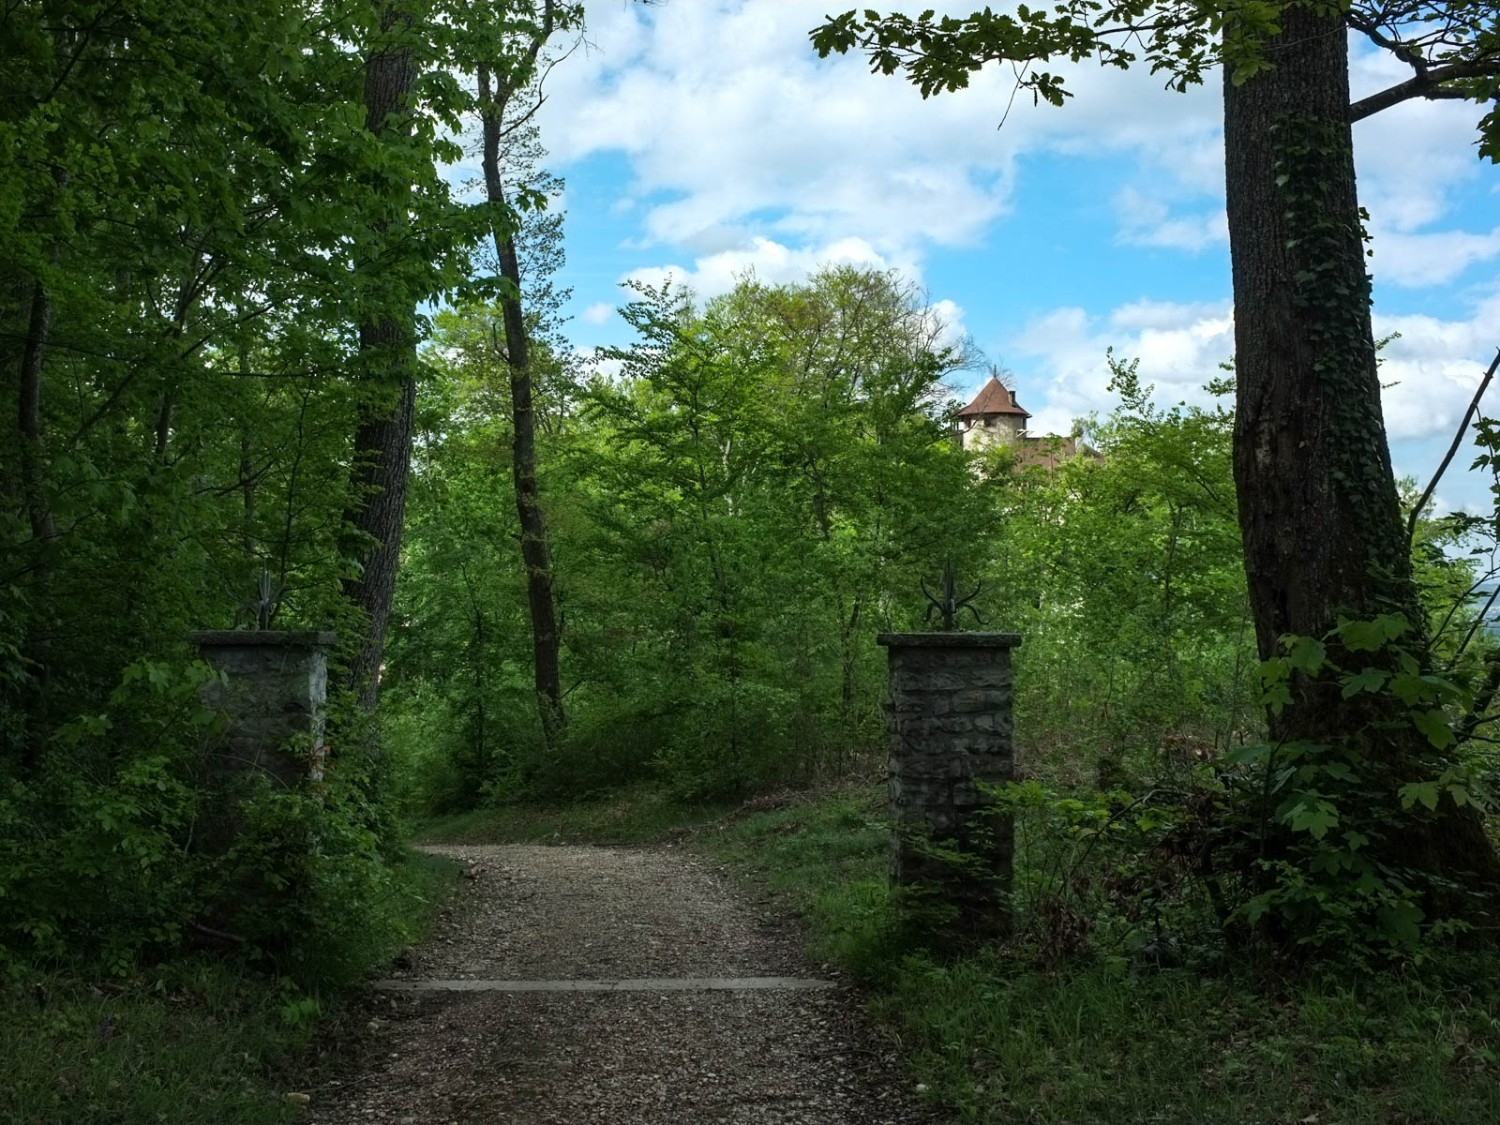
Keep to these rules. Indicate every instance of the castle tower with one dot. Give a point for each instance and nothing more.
(993, 418)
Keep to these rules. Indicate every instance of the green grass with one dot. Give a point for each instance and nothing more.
(1002, 1043)
(999, 1040)
(828, 860)
(635, 815)
(193, 1042)
(199, 1041)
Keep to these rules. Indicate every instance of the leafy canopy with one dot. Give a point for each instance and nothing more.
(1453, 49)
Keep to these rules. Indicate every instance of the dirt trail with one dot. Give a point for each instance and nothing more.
(676, 1053)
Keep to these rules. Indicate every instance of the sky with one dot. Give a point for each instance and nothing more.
(705, 139)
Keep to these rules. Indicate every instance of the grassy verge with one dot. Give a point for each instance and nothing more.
(1000, 1040)
(635, 815)
(194, 1042)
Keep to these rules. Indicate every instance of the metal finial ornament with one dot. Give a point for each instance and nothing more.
(262, 609)
(950, 605)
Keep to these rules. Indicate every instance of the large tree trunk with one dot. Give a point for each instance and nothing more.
(382, 440)
(379, 478)
(1318, 506)
(37, 646)
(1319, 513)
(535, 556)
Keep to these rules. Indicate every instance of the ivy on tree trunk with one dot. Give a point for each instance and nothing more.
(1318, 505)
(1321, 520)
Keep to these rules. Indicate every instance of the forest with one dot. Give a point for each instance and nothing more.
(268, 366)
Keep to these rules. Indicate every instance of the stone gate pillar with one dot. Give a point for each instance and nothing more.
(949, 718)
(274, 689)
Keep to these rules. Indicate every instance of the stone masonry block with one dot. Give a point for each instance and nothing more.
(949, 721)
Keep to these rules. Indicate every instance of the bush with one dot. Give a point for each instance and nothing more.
(122, 851)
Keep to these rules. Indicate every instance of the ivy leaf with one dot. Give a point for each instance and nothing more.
(1306, 654)
(1371, 680)
(1372, 635)
(1434, 724)
(1315, 818)
(1419, 793)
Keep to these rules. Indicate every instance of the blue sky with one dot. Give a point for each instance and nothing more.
(704, 139)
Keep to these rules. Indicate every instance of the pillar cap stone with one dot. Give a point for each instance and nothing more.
(285, 638)
(948, 640)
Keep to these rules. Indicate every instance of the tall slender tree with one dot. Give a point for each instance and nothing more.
(498, 87)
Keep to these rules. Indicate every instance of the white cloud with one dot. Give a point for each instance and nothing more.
(1429, 373)
(767, 260)
(1434, 258)
(608, 369)
(1147, 221)
(1414, 155)
(948, 317)
(726, 114)
(733, 127)
(1179, 347)
(1435, 367)
(597, 313)
(735, 131)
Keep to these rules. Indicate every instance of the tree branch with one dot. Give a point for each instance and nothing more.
(1370, 28)
(1429, 84)
(1458, 437)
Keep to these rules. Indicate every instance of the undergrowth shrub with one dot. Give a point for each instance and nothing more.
(127, 847)
(1321, 833)
(1290, 847)
(96, 862)
(1105, 874)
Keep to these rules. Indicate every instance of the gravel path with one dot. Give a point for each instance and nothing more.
(736, 1057)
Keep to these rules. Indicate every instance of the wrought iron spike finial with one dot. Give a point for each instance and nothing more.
(261, 610)
(951, 605)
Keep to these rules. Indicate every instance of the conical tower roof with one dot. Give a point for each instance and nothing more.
(993, 398)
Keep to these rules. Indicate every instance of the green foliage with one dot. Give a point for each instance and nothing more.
(995, 1037)
(1300, 847)
(1123, 572)
(1103, 875)
(195, 1041)
(761, 487)
(103, 864)
(735, 512)
(199, 1043)
(1321, 830)
(94, 861)
(642, 813)
(1090, 1043)
(195, 220)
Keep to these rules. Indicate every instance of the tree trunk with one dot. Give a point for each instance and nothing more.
(1318, 507)
(383, 459)
(37, 646)
(382, 439)
(247, 492)
(535, 556)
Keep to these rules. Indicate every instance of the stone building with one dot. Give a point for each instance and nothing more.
(995, 418)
